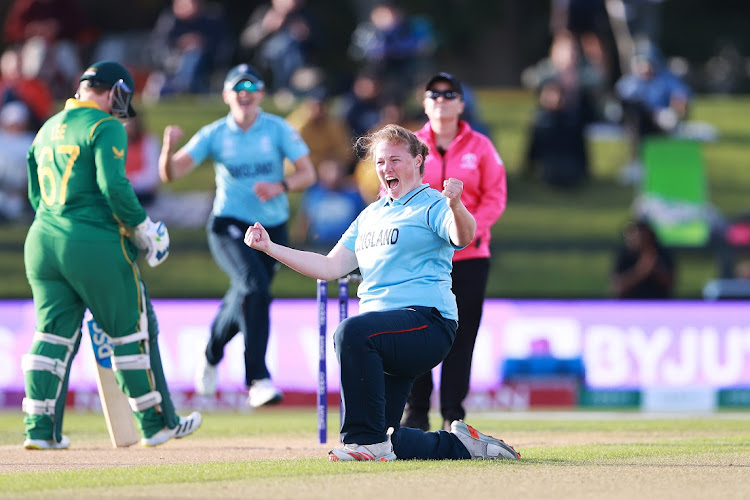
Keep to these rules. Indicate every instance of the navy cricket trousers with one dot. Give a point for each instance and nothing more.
(380, 353)
(245, 306)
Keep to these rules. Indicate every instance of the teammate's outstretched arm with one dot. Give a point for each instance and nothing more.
(173, 165)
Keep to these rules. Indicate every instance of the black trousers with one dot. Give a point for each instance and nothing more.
(245, 306)
(469, 287)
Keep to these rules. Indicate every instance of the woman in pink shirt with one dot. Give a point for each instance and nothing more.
(455, 150)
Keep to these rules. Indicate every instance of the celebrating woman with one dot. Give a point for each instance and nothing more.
(403, 245)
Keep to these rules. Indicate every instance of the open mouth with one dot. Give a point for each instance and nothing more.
(391, 182)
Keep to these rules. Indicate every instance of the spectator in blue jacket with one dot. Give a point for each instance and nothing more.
(654, 100)
(190, 41)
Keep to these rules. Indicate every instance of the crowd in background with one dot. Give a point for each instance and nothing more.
(604, 66)
(190, 48)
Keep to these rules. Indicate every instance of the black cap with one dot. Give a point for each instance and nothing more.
(243, 72)
(445, 77)
(109, 73)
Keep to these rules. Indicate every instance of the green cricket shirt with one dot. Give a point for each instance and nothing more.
(77, 182)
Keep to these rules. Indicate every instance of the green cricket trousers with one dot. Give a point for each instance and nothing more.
(68, 276)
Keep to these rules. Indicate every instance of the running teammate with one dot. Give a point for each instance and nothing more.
(248, 148)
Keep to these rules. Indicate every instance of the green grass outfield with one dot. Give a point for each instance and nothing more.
(549, 243)
(274, 453)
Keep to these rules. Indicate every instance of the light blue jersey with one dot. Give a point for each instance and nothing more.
(242, 158)
(404, 253)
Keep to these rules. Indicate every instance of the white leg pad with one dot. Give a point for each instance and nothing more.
(36, 362)
(38, 407)
(131, 362)
(51, 338)
(146, 401)
(127, 339)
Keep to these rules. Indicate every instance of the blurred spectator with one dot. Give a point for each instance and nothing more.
(643, 18)
(327, 208)
(190, 42)
(583, 84)
(394, 111)
(360, 106)
(142, 164)
(52, 34)
(557, 148)
(281, 37)
(16, 137)
(471, 114)
(327, 136)
(588, 22)
(33, 92)
(654, 100)
(399, 47)
(566, 89)
(643, 268)
(725, 71)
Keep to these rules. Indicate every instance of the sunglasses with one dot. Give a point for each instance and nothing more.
(248, 86)
(447, 94)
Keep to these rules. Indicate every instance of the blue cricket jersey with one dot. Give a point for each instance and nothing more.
(242, 158)
(404, 253)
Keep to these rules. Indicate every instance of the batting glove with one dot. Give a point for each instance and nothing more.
(154, 239)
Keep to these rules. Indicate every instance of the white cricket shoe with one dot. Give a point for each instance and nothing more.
(43, 444)
(378, 452)
(185, 427)
(482, 446)
(263, 392)
(205, 377)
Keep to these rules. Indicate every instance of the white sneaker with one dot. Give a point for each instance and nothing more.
(42, 444)
(205, 377)
(482, 446)
(378, 452)
(185, 427)
(263, 392)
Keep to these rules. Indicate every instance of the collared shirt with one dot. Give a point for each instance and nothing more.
(472, 158)
(76, 174)
(404, 252)
(242, 158)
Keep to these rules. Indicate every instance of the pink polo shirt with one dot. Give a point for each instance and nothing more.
(473, 159)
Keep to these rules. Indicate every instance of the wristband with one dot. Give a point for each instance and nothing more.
(285, 186)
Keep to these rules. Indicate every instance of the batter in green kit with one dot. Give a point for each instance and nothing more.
(79, 255)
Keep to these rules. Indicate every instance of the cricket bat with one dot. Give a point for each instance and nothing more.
(117, 412)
